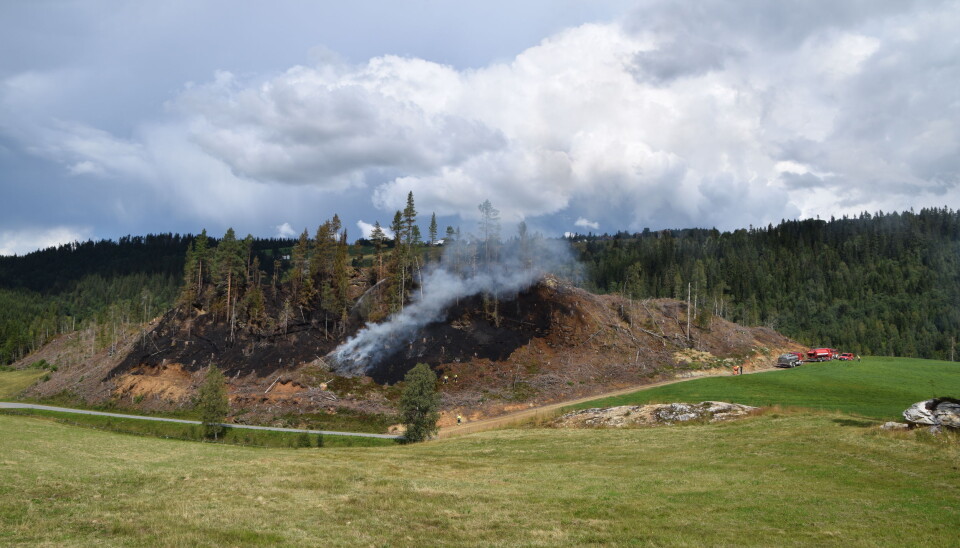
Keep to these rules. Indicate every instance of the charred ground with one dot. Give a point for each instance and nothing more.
(551, 342)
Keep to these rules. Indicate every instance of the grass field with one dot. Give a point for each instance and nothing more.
(877, 387)
(192, 432)
(787, 477)
(14, 382)
(781, 479)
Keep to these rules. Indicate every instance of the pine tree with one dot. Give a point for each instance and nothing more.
(301, 286)
(341, 281)
(379, 239)
(196, 269)
(230, 274)
(399, 262)
(489, 229)
(524, 244)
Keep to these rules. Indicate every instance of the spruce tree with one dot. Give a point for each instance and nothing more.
(409, 220)
(433, 229)
(419, 403)
(212, 402)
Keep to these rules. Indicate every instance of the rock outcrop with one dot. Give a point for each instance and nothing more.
(935, 412)
(652, 415)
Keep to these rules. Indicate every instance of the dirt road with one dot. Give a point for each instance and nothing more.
(527, 415)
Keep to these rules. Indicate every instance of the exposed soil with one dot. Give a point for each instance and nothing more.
(552, 342)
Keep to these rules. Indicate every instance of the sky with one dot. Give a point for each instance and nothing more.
(121, 117)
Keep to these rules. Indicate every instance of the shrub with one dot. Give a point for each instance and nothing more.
(419, 403)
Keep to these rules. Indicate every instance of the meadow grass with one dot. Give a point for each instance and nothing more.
(878, 387)
(15, 381)
(193, 432)
(779, 479)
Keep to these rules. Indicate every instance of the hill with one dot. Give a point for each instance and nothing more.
(550, 342)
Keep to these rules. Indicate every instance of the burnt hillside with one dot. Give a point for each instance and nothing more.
(550, 342)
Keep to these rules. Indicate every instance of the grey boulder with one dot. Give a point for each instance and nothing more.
(935, 412)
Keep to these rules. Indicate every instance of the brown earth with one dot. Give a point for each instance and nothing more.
(553, 342)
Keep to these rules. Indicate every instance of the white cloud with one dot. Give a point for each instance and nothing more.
(286, 231)
(585, 223)
(86, 167)
(720, 114)
(26, 240)
(366, 229)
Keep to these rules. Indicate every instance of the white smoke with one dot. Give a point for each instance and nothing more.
(460, 274)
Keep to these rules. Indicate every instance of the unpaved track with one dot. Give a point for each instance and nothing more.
(8, 405)
(527, 415)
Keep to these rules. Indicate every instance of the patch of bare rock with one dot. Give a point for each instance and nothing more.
(935, 413)
(652, 414)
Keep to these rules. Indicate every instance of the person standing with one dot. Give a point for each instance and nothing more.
(459, 419)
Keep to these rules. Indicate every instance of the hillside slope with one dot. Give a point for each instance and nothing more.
(551, 342)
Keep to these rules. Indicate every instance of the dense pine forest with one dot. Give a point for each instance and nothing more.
(884, 284)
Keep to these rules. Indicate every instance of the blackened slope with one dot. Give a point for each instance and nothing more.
(196, 341)
(471, 330)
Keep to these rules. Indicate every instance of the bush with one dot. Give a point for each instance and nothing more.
(212, 402)
(419, 403)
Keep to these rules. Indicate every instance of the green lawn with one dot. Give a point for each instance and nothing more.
(14, 382)
(878, 387)
(781, 479)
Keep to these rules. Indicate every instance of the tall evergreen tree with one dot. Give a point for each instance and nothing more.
(341, 281)
(409, 220)
(379, 239)
(433, 229)
(489, 229)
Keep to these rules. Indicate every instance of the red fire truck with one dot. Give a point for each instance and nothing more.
(820, 354)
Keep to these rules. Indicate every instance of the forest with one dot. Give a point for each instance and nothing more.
(884, 284)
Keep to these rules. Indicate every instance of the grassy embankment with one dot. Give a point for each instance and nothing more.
(878, 387)
(192, 432)
(13, 382)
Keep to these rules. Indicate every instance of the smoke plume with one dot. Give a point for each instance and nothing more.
(462, 272)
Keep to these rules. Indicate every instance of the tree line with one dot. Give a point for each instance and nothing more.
(885, 284)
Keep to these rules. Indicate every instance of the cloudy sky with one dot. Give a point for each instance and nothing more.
(135, 117)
